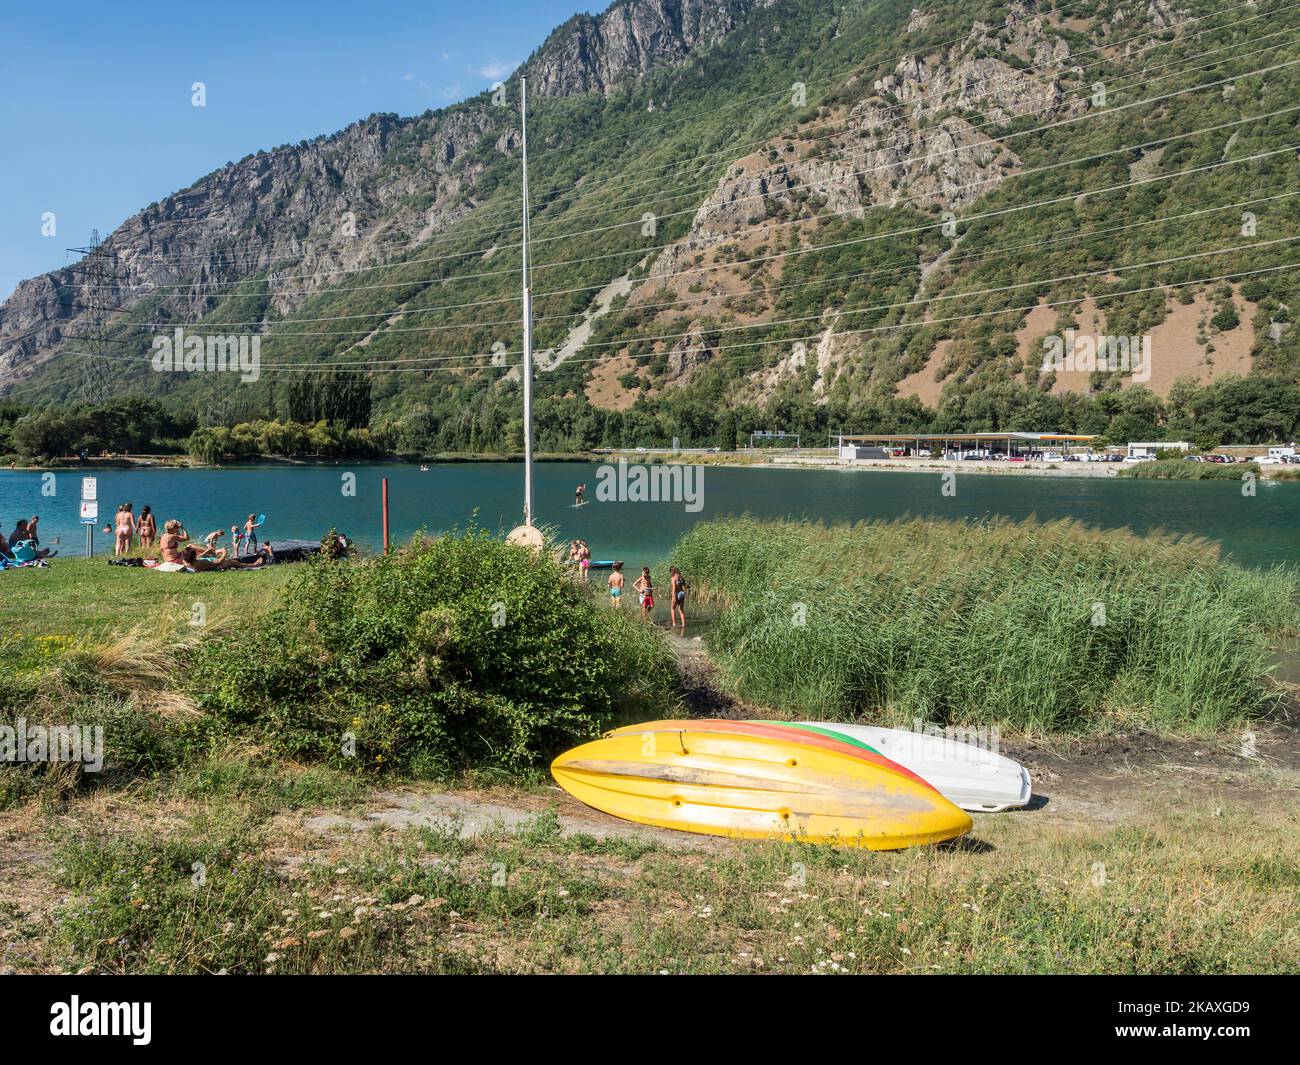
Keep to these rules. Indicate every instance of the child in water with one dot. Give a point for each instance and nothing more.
(646, 589)
(677, 598)
(615, 583)
(250, 534)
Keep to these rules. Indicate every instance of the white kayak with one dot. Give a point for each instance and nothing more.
(971, 777)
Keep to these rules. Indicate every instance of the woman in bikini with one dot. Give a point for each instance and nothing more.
(147, 529)
(174, 535)
(646, 589)
(124, 528)
(677, 598)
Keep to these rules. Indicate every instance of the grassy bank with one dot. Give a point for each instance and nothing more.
(451, 655)
(1182, 470)
(80, 603)
(196, 850)
(1045, 628)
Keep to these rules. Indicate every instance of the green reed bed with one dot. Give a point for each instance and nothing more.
(1044, 627)
(1182, 470)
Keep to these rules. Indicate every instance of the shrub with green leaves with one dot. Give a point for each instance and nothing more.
(449, 654)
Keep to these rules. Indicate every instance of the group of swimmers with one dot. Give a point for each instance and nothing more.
(580, 556)
(127, 528)
(644, 586)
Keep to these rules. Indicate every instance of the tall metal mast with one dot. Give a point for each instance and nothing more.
(528, 319)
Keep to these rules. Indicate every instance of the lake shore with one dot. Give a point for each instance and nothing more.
(695, 457)
(1095, 470)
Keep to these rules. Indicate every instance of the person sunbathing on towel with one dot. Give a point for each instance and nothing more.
(203, 563)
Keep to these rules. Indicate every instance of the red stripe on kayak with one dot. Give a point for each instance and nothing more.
(780, 732)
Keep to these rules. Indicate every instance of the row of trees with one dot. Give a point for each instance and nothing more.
(1247, 410)
(1233, 410)
(125, 424)
(249, 440)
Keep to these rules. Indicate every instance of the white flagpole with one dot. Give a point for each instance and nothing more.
(528, 320)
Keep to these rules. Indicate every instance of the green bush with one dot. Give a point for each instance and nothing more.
(448, 654)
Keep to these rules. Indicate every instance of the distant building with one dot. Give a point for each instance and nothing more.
(1149, 450)
(985, 445)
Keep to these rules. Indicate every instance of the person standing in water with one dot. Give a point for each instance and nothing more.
(250, 535)
(147, 529)
(584, 559)
(615, 582)
(645, 587)
(124, 528)
(677, 598)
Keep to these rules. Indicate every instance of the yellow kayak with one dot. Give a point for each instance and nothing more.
(718, 781)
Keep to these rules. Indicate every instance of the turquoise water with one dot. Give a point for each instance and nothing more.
(304, 502)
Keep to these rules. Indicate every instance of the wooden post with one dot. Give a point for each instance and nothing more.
(384, 495)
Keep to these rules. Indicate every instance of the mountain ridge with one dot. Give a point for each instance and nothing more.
(658, 95)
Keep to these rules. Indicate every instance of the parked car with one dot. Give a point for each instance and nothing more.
(1053, 456)
(1140, 458)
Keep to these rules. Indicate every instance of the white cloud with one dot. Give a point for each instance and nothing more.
(452, 92)
(496, 70)
(408, 77)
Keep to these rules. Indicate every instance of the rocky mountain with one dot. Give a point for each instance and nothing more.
(815, 203)
(603, 52)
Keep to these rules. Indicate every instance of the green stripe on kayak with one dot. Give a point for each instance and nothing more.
(831, 733)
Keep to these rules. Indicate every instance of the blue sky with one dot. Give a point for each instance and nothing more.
(95, 109)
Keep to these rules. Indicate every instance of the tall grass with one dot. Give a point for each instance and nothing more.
(1045, 627)
(1182, 470)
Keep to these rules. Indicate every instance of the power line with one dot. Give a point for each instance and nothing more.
(893, 327)
(913, 199)
(965, 221)
(907, 304)
(1105, 45)
(589, 231)
(1079, 236)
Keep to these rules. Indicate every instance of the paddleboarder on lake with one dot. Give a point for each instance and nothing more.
(577, 495)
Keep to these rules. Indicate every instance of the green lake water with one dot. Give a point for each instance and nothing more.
(304, 502)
